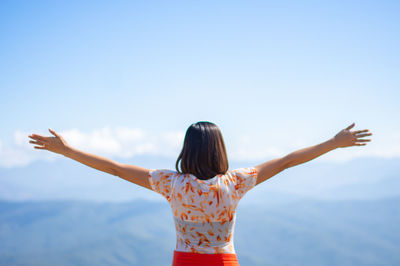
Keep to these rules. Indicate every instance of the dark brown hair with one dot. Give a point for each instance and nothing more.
(203, 153)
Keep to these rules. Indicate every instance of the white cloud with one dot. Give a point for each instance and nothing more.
(20, 152)
(126, 142)
(20, 139)
(21, 156)
(248, 148)
(129, 135)
(119, 142)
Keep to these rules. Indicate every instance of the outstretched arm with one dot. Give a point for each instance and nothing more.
(345, 138)
(57, 144)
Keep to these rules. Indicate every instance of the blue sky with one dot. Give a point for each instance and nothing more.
(121, 78)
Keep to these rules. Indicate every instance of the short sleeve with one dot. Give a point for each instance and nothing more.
(245, 179)
(161, 181)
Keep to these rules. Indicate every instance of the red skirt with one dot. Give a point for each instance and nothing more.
(200, 259)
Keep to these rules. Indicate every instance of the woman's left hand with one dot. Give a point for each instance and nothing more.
(55, 144)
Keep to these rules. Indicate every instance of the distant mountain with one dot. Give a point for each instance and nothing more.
(65, 179)
(358, 179)
(83, 233)
(298, 232)
(310, 232)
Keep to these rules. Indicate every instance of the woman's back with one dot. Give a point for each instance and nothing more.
(204, 211)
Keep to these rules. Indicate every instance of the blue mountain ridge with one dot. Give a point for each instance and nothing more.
(141, 232)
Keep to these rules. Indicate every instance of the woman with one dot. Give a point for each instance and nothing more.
(203, 194)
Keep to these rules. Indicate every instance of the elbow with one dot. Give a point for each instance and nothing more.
(287, 162)
(114, 170)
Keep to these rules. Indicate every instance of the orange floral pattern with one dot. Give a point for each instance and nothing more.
(204, 211)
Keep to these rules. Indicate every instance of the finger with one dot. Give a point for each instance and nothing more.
(34, 136)
(350, 127)
(359, 131)
(363, 140)
(363, 135)
(39, 147)
(360, 144)
(35, 142)
(37, 139)
(53, 132)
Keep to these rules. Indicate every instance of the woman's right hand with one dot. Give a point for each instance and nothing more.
(347, 138)
(55, 144)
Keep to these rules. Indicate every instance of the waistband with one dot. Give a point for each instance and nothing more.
(198, 259)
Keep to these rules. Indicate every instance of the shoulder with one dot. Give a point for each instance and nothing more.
(243, 171)
(238, 175)
(162, 172)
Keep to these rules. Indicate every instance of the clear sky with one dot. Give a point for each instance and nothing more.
(128, 77)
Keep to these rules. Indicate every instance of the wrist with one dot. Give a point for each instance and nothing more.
(332, 143)
(67, 151)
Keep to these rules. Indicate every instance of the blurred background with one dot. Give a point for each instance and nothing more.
(125, 79)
